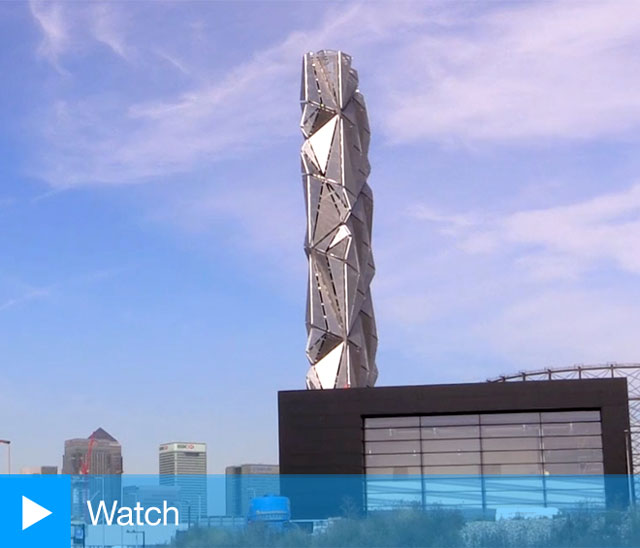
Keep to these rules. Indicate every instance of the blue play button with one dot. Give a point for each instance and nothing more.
(35, 511)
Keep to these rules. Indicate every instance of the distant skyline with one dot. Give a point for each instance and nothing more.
(153, 278)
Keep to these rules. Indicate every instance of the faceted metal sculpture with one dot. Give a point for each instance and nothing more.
(342, 339)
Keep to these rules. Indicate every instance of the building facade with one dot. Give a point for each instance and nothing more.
(246, 482)
(184, 465)
(456, 445)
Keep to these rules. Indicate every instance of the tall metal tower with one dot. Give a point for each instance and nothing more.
(342, 338)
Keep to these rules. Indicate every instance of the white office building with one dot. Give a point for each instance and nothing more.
(184, 465)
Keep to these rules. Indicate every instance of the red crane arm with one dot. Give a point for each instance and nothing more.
(86, 465)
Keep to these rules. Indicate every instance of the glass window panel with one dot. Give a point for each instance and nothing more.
(447, 432)
(390, 422)
(390, 434)
(377, 447)
(510, 444)
(393, 470)
(571, 416)
(573, 468)
(517, 498)
(451, 470)
(510, 418)
(382, 495)
(451, 458)
(571, 429)
(510, 430)
(499, 469)
(440, 446)
(573, 455)
(572, 442)
(449, 420)
(511, 457)
(392, 460)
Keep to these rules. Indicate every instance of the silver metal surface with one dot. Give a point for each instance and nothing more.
(342, 339)
(609, 370)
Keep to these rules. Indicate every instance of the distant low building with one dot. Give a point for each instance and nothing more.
(248, 481)
(39, 470)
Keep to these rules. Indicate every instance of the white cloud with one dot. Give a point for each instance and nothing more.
(119, 139)
(528, 289)
(567, 70)
(67, 28)
(27, 296)
(559, 241)
(433, 71)
(555, 328)
(54, 26)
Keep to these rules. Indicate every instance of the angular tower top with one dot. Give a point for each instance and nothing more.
(101, 434)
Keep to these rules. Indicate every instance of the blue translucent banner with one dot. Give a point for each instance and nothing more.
(323, 510)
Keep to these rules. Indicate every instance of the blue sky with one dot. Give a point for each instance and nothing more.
(152, 276)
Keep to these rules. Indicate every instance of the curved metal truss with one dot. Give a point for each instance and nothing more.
(609, 370)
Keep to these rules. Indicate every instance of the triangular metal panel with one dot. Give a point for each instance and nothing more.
(326, 73)
(327, 367)
(348, 81)
(334, 171)
(329, 214)
(313, 382)
(317, 316)
(329, 293)
(342, 233)
(341, 249)
(310, 92)
(320, 142)
(309, 158)
(337, 267)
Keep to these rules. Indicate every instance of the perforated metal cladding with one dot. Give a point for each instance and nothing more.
(341, 328)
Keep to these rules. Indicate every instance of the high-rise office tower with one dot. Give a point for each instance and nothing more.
(96, 466)
(342, 339)
(106, 454)
(184, 465)
(248, 481)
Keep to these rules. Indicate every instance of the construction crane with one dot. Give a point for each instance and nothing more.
(85, 468)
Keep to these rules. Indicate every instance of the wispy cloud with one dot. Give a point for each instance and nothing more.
(67, 28)
(532, 287)
(25, 297)
(55, 33)
(454, 74)
(18, 292)
(567, 70)
(562, 327)
(123, 139)
(559, 241)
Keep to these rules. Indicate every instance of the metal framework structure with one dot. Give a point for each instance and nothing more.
(342, 339)
(629, 370)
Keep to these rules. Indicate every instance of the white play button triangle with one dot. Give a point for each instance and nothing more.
(32, 513)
